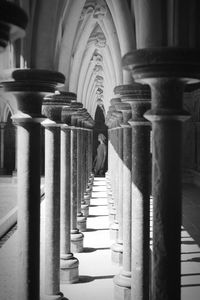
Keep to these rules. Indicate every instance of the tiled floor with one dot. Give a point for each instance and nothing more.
(95, 268)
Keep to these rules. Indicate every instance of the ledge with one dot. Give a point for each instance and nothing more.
(9, 220)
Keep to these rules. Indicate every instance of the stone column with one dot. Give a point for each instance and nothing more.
(14, 173)
(88, 124)
(52, 206)
(111, 202)
(115, 120)
(123, 279)
(84, 175)
(2, 145)
(69, 272)
(138, 96)
(76, 235)
(29, 87)
(117, 248)
(166, 70)
(81, 220)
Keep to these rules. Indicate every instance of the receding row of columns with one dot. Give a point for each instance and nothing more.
(68, 181)
(129, 135)
(148, 274)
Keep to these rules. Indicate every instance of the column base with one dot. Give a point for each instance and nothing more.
(112, 215)
(14, 176)
(117, 253)
(87, 197)
(122, 288)
(85, 210)
(111, 203)
(59, 296)
(82, 223)
(69, 272)
(110, 198)
(77, 242)
(114, 228)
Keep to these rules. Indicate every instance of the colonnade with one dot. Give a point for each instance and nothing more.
(68, 180)
(144, 273)
(129, 135)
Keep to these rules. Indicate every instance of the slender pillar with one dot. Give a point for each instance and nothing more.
(76, 235)
(117, 248)
(111, 202)
(115, 120)
(52, 209)
(14, 173)
(81, 220)
(69, 264)
(123, 279)
(2, 145)
(167, 83)
(84, 175)
(29, 87)
(139, 99)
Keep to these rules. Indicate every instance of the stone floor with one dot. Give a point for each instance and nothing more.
(96, 270)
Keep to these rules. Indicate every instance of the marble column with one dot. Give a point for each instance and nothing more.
(2, 148)
(123, 279)
(166, 70)
(29, 88)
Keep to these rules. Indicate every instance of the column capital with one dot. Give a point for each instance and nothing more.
(52, 105)
(29, 87)
(13, 22)
(138, 96)
(115, 100)
(169, 62)
(68, 112)
(125, 109)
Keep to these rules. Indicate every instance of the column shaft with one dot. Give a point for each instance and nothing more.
(140, 211)
(166, 160)
(2, 147)
(28, 191)
(52, 210)
(68, 264)
(65, 190)
(76, 236)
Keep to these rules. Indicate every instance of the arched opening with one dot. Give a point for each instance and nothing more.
(100, 127)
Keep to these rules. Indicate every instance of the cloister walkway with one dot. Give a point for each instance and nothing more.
(96, 269)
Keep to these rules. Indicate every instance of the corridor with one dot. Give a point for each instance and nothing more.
(96, 270)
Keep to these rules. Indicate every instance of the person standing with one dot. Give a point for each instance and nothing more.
(100, 159)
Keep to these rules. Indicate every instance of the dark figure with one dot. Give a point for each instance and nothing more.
(100, 159)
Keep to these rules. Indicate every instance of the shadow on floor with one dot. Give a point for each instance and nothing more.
(95, 216)
(85, 278)
(191, 211)
(90, 249)
(97, 229)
